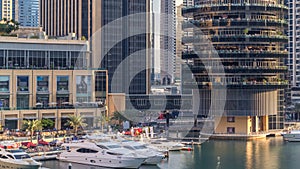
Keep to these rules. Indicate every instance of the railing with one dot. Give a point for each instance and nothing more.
(51, 107)
(237, 4)
(234, 22)
(236, 53)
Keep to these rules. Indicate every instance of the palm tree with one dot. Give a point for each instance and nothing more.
(75, 122)
(33, 125)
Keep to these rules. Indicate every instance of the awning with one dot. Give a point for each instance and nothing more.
(11, 118)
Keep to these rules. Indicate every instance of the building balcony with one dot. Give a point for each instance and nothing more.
(237, 54)
(236, 85)
(237, 22)
(235, 39)
(238, 69)
(233, 7)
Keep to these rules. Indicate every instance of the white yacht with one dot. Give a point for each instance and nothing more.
(153, 157)
(293, 135)
(91, 154)
(15, 158)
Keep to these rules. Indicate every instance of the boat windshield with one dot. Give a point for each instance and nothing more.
(22, 156)
(113, 146)
(15, 151)
(140, 147)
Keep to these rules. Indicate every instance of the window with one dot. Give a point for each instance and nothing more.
(85, 150)
(230, 119)
(230, 130)
(10, 156)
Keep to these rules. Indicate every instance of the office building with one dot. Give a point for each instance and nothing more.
(249, 42)
(28, 13)
(85, 18)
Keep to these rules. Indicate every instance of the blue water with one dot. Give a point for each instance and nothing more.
(269, 153)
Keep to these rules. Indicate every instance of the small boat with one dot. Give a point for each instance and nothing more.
(89, 153)
(15, 158)
(43, 156)
(153, 157)
(292, 136)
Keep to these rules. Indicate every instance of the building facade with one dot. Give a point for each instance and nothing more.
(249, 41)
(49, 79)
(86, 18)
(8, 9)
(168, 41)
(28, 13)
(293, 47)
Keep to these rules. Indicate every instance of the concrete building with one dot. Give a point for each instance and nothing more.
(8, 9)
(85, 18)
(28, 13)
(249, 46)
(168, 41)
(49, 79)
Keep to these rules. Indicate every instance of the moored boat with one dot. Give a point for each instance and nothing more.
(15, 158)
(293, 136)
(91, 154)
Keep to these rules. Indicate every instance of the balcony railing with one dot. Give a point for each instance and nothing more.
(235, 22)
(239, 69)
(237, 53)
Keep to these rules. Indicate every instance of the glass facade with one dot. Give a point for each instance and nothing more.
(39, 55)
(112, 10)
(100, 86)
(28, 13)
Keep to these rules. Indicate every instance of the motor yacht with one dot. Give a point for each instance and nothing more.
(89, 153)
(153, 157)
(15, 158)
(292, 136)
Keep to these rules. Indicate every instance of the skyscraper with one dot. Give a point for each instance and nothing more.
(168, 41)
(8, 9)
(294, 52)
(248, 41)
(84, 19)
(28, 13)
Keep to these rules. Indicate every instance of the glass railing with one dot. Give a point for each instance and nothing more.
(235, 22)
(237, 4)
(54, 107)
(253, 83)
(236, 53)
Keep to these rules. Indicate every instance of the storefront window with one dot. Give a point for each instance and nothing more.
(4, 83)
(22, 83)
(42, 83)
(62, 83)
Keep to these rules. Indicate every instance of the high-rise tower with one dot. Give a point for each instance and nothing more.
(250, 40)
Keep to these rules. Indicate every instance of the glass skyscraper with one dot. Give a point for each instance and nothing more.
(28, 13)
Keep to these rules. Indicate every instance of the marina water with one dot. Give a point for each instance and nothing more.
(268, 153)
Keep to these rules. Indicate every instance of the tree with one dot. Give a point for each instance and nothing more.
(32, 125)
(75, 122)
(48, 123)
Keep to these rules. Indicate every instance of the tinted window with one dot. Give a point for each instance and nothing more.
(85, 150)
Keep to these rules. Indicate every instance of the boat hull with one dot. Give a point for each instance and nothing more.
(153, 160)
(291, 137)
(6, 164)
(102, 162)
